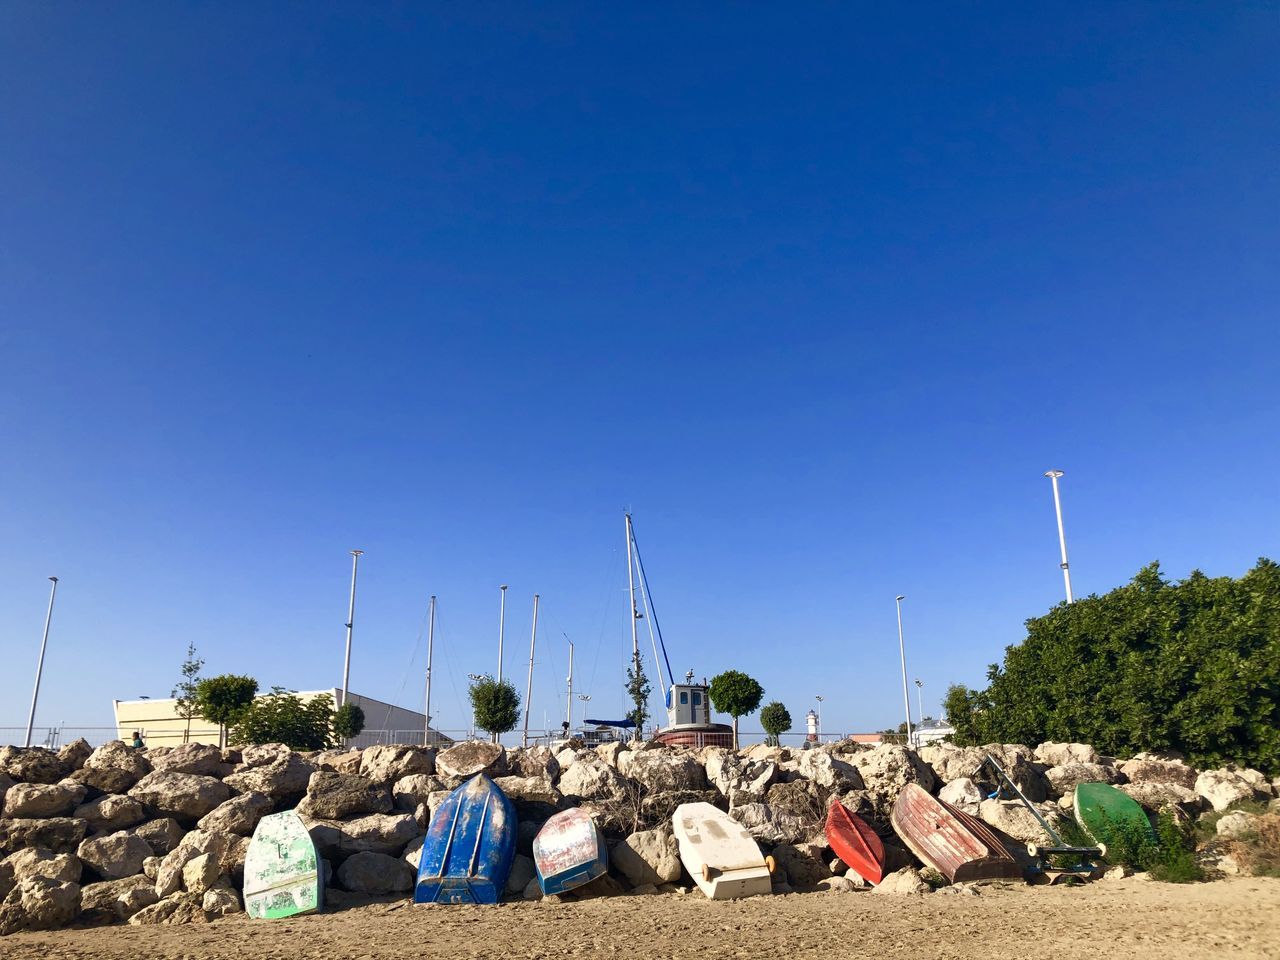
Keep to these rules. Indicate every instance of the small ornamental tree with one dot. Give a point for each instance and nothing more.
(223, 699)
(495, 704)
(348, 721)
(638, 689)
(184, 694)
(284, 717)
(776, 720)
(735, 693)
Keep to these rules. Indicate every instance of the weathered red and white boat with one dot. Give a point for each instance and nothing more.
(958, 846)
(855, 842)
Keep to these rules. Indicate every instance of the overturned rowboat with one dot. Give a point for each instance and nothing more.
(855, 842)
(721, 856)
(569, 852)
(469, 847)
(281, 870)
(958, 846)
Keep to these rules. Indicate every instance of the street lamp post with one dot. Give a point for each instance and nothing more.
(819, 699)
(902, 652)
(502, 622)
(585, 698)
(475, 678)
(44, 642)
(351, 619)
(1053, 475)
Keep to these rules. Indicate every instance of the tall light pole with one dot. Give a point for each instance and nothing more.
(819, 699)
(475, 678)
(502, 622)
(44, 642)
(351, 619)
(431, 639)
(1053, 475)
(528, 688)
(902, 652)
(568, 710)
(585, 698)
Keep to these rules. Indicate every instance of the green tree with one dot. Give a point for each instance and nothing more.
(284, 717)
(223, 699)
(348, 721)
(1192, 666)
(736, 694)
(185, 692)
(776, 720)
(495, 705)
(638, 689)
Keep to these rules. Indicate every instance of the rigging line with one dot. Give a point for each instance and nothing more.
(608, 609)
(648, 623)
(644, 586)
(404, 679)
(449, 668)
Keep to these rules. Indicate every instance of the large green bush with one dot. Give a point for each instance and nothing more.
(1191, 665)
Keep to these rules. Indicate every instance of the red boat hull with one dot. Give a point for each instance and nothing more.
(958, 846)
(855, 843)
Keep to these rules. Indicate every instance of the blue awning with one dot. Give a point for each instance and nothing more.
(626, 724)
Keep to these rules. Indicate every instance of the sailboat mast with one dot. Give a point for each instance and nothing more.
(528, 688)
(568, 710)
(431, 637)
(635, 613)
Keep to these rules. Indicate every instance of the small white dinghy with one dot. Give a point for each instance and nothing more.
(723, 859)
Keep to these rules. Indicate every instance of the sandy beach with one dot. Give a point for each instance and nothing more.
(1133, 918)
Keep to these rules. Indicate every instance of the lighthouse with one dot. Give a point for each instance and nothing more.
(811, 721)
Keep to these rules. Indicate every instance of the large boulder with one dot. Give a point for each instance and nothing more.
(1164, 796)
(663, 771)
(37, 862)
(39, 903)
(42, 799)
(199, 758)
(113, 768)
(963, 794)
(592, 779)
(523, 872)
(903, 882)
(283, 780)
(530, 794)
(886, 769)
(1153, 770)
(769, 826)
(239, 815)
(162, 834)
(649, 856)
(184, 796)
(114, 855)
(111, 813)
(170, 874)
(1224, 788)
(115, 900)
(177, 908)
(338, 761)
(59, 834)
(221, 900)
(6, 782)
(1237, 825)
(1062, 754)
(408, 792)
(1011, 817)
(75, 753)
(802, 864)
(333, 796)
(387, 833)
(33, 765)
(535, 761)
(839, 776)
(376, 874)
(469, 758)
(1064, 779)
(387, 764)
(262, 755)
(201, 873)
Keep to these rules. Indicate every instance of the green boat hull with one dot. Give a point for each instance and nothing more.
(1101, 809)
(281, 871)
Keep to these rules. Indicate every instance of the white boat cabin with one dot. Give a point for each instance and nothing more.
(689, 703)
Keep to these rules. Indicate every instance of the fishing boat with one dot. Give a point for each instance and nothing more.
(958, 846)
(721, 856)
(688, 704)
(855, 842)
(1102, 810)
(469, 847)
(281, 875)
(569, 852)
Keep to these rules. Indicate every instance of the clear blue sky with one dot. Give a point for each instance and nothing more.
(818, 292)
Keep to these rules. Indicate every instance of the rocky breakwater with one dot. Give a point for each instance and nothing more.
(118, 835)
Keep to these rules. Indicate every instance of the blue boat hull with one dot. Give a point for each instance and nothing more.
(568, 852)
(563, 882)
(469, 848)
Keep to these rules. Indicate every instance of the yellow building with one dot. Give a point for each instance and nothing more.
(160, 726)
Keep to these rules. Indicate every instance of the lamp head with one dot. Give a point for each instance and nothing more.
(900, 597)
(1053, 474)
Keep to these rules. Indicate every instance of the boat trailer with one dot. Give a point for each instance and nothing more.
(1089, 857)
